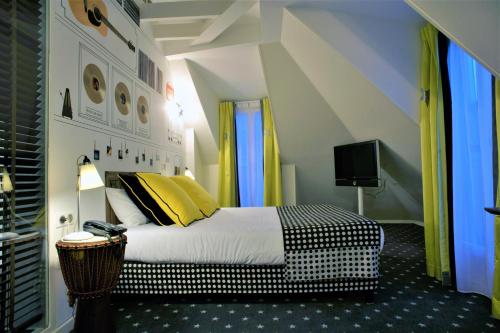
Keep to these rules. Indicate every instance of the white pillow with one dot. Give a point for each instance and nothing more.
(125, 209)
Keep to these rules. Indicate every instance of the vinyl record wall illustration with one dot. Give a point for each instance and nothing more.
(94, 72)
(122, 98)
(122, 101)
(94, 83)
(143, 112)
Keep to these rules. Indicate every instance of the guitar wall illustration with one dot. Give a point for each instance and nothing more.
(84, 20)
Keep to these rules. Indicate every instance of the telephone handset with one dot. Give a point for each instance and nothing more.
(100, 228)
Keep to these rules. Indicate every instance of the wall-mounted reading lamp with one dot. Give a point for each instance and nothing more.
(87, 178)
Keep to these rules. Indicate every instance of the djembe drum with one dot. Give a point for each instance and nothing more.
(91, 271)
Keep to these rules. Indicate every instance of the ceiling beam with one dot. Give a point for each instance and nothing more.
(199, 9)
(164, 32)
(224, 21)
(238, 35)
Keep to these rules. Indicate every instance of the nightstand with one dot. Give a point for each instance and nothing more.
(91, 270)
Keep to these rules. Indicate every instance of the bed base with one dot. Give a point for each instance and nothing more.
(139, 278)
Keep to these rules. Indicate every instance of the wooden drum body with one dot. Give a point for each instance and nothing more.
(91, 271)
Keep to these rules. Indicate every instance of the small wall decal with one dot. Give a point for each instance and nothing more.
(97, 153)
(120, 152)
(67, 111)
(109, 149)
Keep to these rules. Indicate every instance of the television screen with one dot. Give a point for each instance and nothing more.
(357, 164)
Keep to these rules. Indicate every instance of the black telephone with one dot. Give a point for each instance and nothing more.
(100, 228)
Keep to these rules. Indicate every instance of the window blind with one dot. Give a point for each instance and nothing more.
(22, 153)
(131, 9)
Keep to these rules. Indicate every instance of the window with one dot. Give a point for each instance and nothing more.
(22, 154)
(472, 158)
(249, 154)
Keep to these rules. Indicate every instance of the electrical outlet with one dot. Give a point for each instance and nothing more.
(66, 218)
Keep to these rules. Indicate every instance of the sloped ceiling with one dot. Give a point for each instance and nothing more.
(234, 73)
(474, 25)
(386, 51)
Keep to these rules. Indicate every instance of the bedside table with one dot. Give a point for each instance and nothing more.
(91, 270)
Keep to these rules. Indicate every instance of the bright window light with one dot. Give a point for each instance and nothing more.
(250, 158)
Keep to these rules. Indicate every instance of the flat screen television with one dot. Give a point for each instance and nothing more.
(357, 164)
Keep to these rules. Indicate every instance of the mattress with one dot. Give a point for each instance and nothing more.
(238, 236)
(250, 236)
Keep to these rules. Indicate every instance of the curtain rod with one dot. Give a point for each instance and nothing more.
(254, 103)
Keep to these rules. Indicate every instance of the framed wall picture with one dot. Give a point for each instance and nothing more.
(93, 86)
(121, 102)
(142, 111)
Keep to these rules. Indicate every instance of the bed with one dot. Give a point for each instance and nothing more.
(264, 250)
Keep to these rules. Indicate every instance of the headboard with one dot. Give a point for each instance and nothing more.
(111, 180)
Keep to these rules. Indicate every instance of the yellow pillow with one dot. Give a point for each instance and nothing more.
(174, 201)
(198, 194)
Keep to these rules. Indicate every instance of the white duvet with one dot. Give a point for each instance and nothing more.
(250, 236)
(230, 236)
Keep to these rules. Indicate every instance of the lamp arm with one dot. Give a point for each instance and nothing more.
(78, 164)
(9, 203)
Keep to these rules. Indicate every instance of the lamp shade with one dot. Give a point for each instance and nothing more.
(89, 177)
(188, 173)
(6, 182)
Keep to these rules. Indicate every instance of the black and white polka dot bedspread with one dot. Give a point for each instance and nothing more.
(324, 242)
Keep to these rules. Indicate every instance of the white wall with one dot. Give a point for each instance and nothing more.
(475, 25)
(307, 129)
(288, 178)
(196, 114)
(70, 138)
(211, 179)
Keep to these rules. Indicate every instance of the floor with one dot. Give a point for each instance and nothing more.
(407, 301)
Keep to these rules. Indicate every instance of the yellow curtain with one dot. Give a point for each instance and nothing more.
(433, 153)
(495, 299)
(228, 186)
(272, 167)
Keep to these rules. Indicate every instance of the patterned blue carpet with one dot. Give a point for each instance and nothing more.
(407, 301)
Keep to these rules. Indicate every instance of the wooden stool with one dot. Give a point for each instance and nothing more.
(91, 270)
